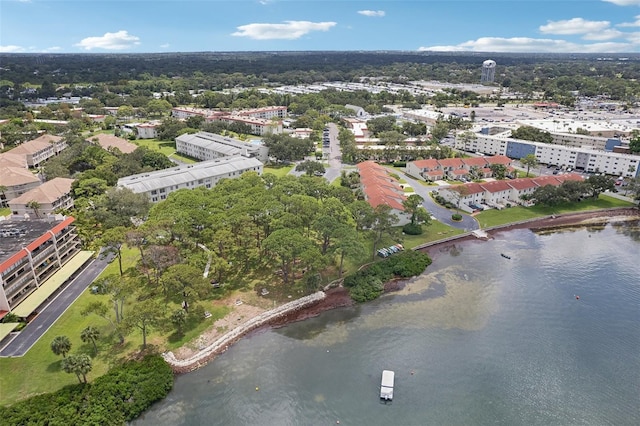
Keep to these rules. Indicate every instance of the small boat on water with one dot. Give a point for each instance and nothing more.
(505, 256)
(386, 386)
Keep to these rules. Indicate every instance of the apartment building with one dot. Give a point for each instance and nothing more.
(51, 196)
(159, 184)
(208, 146)
(259, 126)
(32, 251)
(587, 159)
(38, 150)
(111, 142)
(16, 181)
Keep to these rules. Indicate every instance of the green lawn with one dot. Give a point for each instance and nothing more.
(5, 211)
(434, 232)
(279, 171)
(183, 159)
(39, 370)
(493, 217)
(167, 148)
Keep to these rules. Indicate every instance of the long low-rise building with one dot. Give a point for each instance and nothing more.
(209, 146)
(32, 251)
(587, 159)
(159, 184)
(500, 193)
(380, 187)
(456, 168)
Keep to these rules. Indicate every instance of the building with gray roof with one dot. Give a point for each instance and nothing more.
(157, 185)
(208, 146)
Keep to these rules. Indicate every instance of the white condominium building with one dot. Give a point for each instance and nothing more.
(157, 185)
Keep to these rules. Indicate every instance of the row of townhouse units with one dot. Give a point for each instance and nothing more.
(32, 251)
(456, 168)
(159, 184)
(499, 193)
(379, 187)
(587, 159)
(208, 146)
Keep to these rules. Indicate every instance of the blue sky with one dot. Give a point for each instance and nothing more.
(98, 26)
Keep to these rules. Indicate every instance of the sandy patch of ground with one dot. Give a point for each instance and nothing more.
(238, 315)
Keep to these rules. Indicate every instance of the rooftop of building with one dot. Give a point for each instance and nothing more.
(46, 193)
(179, 175)
(14, 176)
(35, 145)
(217, 142)
(110, 141)
(18, 234)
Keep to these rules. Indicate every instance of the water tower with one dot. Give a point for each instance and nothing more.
(488, 71)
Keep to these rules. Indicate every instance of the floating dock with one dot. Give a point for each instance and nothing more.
(386, 386)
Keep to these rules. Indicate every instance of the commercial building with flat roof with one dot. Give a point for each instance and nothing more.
(30, 253)
(159, 184)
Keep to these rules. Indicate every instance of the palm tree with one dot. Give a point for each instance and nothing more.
(90, 334)
(83, 365)
(69, 365)
(33, 204)
(80, 365)
(61, 345)
(3, 196)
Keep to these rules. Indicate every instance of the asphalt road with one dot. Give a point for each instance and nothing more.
(335, 155)
(442, 214)
(49, 315)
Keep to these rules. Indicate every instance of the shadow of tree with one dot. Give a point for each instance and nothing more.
(55, 366)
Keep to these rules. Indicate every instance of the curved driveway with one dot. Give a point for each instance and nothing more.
(442, 214)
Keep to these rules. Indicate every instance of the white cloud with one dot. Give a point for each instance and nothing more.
(530, 45)
(573, 26)
(289, 30)
(372, 13)
(53, 49)
(607, 34)
(110, 41)
(11, 49)
(636, 23)
(165, 45)
(624, 2)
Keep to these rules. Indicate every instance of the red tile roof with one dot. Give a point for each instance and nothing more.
(451, 162)
(499, 159)
(522, 184)
(379, 187)
(475, 161)
(496, 186)
(427, 164)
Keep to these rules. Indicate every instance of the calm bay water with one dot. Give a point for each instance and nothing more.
(476, 340)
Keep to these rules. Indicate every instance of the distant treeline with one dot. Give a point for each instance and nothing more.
(616, 76)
